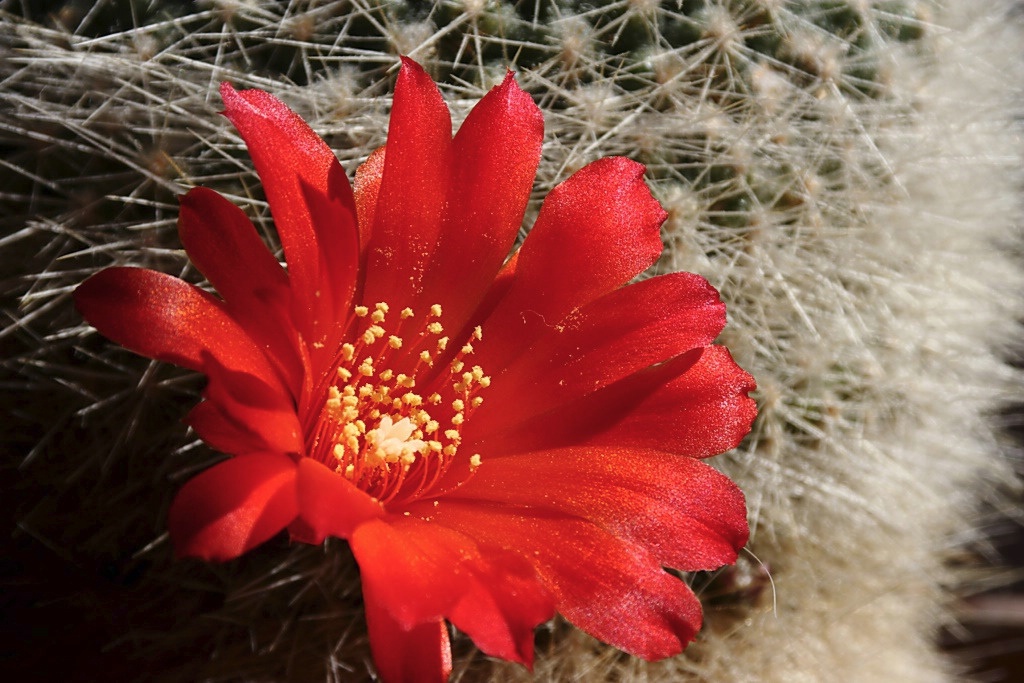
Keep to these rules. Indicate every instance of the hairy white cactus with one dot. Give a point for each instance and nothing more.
(845, 172)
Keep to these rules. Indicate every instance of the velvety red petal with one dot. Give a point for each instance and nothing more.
(695, 405)
(366, 188)
(497, 290)
(683, 511)
(223, 244)
(221, 432)
(164, 318)
(234, 506)
(311, 202)
(421, 654)
(247, 401)
(329, 504)
(702, 412)
(500, 611)
(611, 588)
(413, 190)
(420, 571)
(595, 232)
(616, 335)
(494, 160)
(333, 214)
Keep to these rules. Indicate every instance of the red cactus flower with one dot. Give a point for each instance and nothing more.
(496, 437)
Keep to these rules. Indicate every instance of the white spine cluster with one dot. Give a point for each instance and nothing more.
(845, 173)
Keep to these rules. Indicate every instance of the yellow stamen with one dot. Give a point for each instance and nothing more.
(376, 428)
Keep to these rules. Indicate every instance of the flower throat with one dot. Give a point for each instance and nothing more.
(378, 427)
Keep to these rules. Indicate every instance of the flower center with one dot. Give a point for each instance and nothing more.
(378, 427)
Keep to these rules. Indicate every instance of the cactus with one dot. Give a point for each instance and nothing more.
(836, 168)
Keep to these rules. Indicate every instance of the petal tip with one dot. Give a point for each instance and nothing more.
(229, 95)
(410, 67)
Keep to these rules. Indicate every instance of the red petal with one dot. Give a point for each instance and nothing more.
(416, 569)
(694, 405)
(494, 156)
(702, 412)
(310, 199)
(595, 232)
(421, 654)
(234, 506)
(501, 610)
(223, 244)
(333, 214)
(221, 432)
(497, 289)
(366, 188)
(419, 571)
(164, 318)
(252, 405)
(413, 190)
(687, 514)
(621, 333)
(612, 589)
(329, 504)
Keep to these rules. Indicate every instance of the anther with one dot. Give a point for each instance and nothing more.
(402, 435)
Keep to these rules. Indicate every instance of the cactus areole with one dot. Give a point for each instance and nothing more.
(498, 435)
